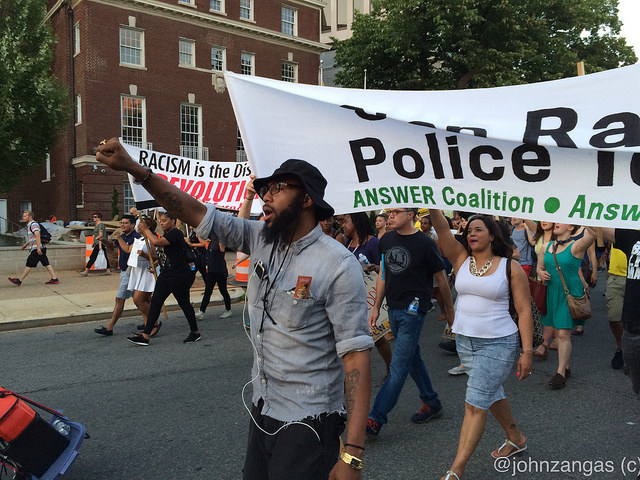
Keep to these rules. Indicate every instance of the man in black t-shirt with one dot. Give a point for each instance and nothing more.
(409, 260)
(629, 242)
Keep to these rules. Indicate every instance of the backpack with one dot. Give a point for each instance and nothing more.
(45, 236)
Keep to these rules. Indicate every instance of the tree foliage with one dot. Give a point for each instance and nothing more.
(33, 104)
(447, 44)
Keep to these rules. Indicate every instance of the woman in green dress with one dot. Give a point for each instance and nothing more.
(569, 253)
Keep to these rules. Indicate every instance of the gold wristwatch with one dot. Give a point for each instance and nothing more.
(353, 462)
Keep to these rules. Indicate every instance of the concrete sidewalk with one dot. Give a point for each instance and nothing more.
(77, 299)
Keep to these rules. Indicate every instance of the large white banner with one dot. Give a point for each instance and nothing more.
(567, 150)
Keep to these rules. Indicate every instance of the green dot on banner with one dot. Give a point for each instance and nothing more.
(551, 205)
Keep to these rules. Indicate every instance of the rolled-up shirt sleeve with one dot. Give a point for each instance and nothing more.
(347, 308)
(233, 232)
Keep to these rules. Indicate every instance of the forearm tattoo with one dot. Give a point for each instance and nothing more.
(170, 201)
(350, 388)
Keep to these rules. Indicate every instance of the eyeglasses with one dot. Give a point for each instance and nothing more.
(393, 213)
(275, 188)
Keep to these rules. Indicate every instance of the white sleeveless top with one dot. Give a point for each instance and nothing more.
(482, 306)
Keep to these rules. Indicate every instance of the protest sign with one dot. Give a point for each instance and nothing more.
(221, 183)
(382, 325)
(566, 150)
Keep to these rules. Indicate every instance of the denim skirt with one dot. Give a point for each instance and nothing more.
(489, 360)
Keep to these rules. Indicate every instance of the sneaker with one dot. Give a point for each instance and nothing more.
(459, 370)
(83, 273)
(139, 340)
(15, 281)
(53, 281)
(103, 331)
(226, 314)
(193, 337)
(426, 413)
(577, 333)
(373, 429)
(199, 315)
(558, 382)
(617, 362)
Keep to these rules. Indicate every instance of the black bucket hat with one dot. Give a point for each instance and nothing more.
(310, 178)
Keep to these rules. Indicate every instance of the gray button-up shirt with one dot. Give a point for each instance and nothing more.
(298, 342)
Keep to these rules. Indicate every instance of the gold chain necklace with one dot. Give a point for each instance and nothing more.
(473, 268)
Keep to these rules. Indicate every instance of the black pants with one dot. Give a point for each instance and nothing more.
(176, 281)
(210, 282)
(294, 453)
(94, 255)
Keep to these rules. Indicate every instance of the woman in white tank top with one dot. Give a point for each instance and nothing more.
(486, 335)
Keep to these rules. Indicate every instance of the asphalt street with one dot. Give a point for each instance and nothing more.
(175, 411)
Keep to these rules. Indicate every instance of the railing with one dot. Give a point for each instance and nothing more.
(8, 233)
(144, 145)
(191, 151)
(241, 156)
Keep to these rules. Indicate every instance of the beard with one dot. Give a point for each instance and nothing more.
(284, 221)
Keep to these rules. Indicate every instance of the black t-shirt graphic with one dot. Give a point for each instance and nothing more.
(629, 242)
(409, 264)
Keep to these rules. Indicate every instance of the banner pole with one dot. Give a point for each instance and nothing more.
(153, 267)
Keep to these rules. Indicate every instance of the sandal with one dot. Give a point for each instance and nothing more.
(544, 355)
(451, 475)
(155, 329)
(509, 443)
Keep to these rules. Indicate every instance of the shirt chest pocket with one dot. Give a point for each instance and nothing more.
(293, 313)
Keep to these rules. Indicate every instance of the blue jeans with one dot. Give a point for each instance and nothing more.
(405, 360)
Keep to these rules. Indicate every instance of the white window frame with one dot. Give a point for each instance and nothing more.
(192, 53)
(141, 49)
(191, 3)
(24, 206)
(127, 196)
(246, 5)
(78, 109)
(47, 168)
(293, 24)
(252, 57)
(199, 133)
(76, 39)
(138, 143)
(222, 6)
(294, 68)
(223, 50)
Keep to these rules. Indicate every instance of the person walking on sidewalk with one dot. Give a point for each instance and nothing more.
(99, 236)
(125, 236)
(37, 251)
(176, 277)
(409, 262)
(306, 301)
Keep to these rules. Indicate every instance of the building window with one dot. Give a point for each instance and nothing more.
(246, 9)
(218, 59)
(47, 168)
(25, 206)
(127, 196)
(241, 155)
(78, 109)
(76, 38)
(187, 2)
(133, 121)
(187, 56)
(217, 5)
(289, 72)
(247, 63)
(131, 46)
(289, 24)
(190, 130)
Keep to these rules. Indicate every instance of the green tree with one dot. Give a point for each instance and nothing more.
(33, 103)
(447, 44)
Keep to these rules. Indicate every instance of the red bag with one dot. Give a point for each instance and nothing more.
(539, 294)
(15, 416)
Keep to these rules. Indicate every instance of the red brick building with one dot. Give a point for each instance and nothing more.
(151, 72)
